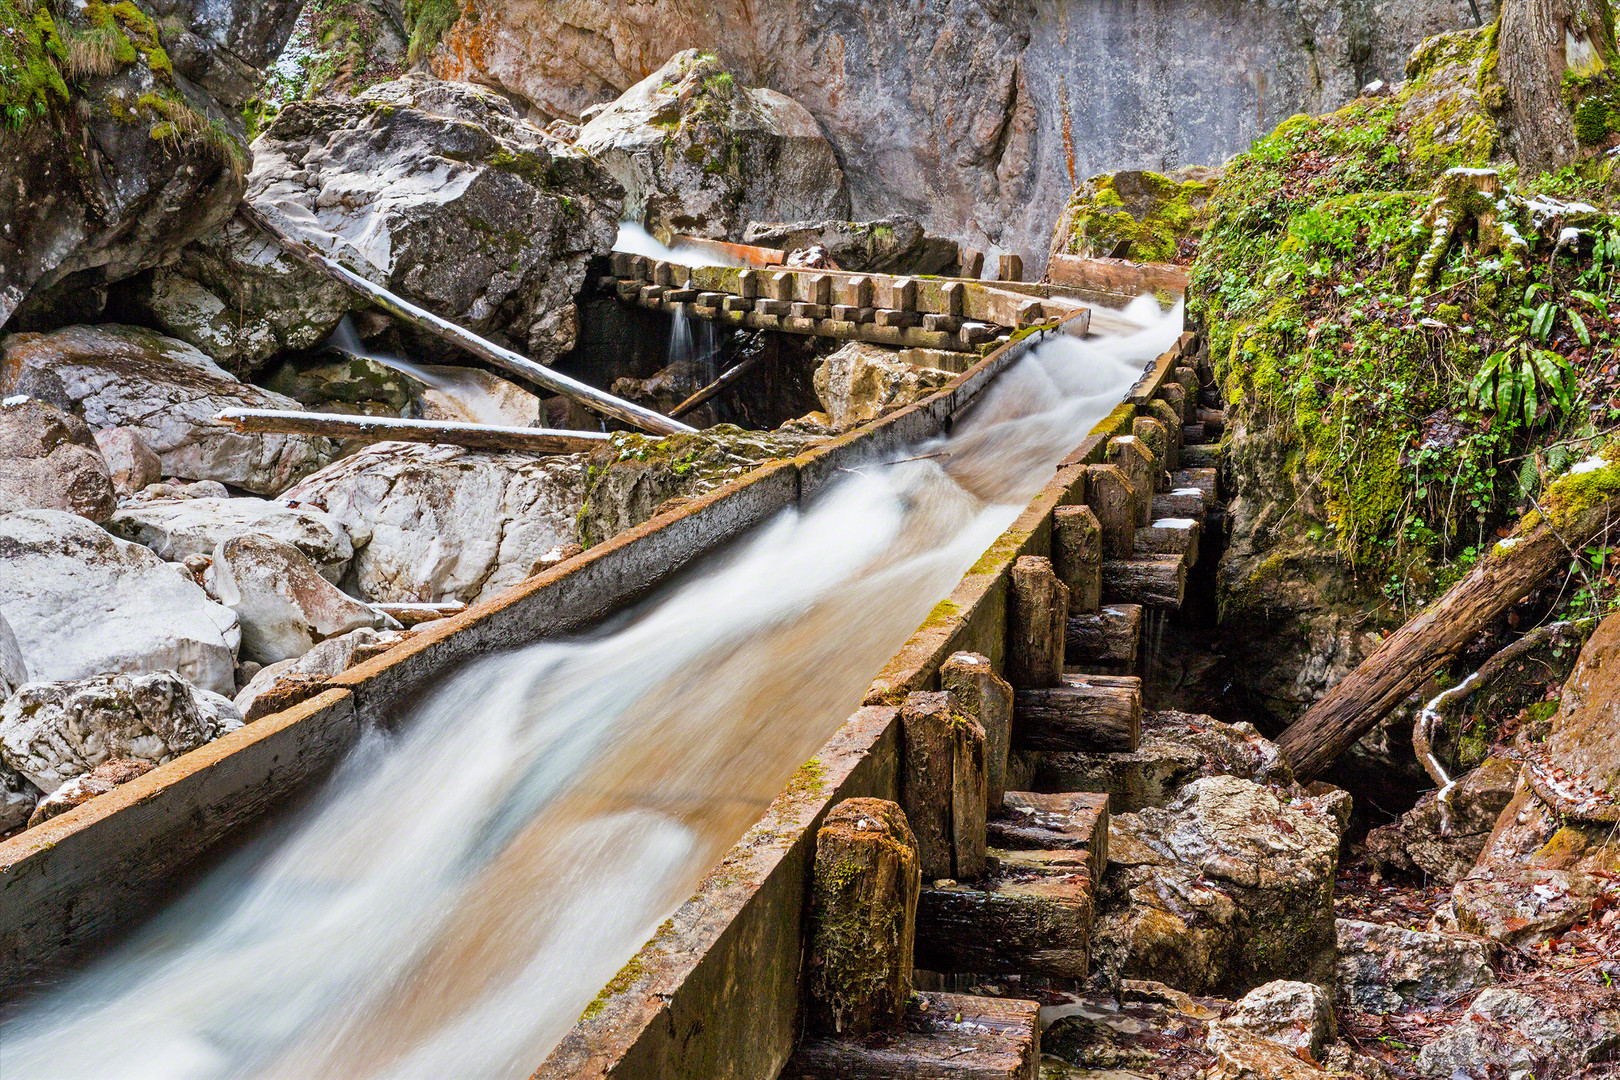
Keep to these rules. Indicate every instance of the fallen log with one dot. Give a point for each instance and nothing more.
(514, 364)
(381, 429)
(1085, 712)
(727, 377)
(1577, 508)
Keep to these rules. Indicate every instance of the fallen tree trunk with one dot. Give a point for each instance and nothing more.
(514, 364)
(727, 377)
(1577, 508)
(382, 429)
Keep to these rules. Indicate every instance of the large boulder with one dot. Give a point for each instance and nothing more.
(176, 528)
(1579, 772)
(700, 154)
(1512, 1033)
(443, 523)
(860, 382)
(53, 732)
(437, 191)
(84, 603)
(885, 246)
(1444, 839)
(285, 606)
(126, 137)
(166, 390)
(49, 461)
(131, 463)
(1387, 969)
(1228, 887)
(1297, 1015)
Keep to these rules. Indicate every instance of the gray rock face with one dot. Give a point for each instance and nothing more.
(1389, 969)
(886, 246)
(1523, 905)
(975, 118)
(18, 798)
(143, 150)
(83, 603)
(48, 461)
(176, 528)
(123, 376)
(283, 604)
(860, 382)
(1510, 1033)
(442, 523)
(435, 190)
(698, 153)
(1297, 1015)
(1226, 888)
(53, 732)
(13, 668)
(131, 463)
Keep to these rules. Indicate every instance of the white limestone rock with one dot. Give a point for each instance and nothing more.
(1298, 1015)
(132, 464)
(83, 603)
(284, 605)
(13, 668)
(177, 528)
(860, 381)
(53, 732)
(49, 461)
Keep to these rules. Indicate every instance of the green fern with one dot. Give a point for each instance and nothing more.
(1513, 382)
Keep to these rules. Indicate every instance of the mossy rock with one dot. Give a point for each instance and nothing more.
(1135, 215)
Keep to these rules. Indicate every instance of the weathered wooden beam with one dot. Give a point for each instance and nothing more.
(378, 429)
(1171, 536)
(943, 786)
(1037, 619)
(1155, 581)
(1035, 921)
(1077, 555)
(505, 359)
(988, 698)
(1187, 502)
(1113, 499)
(945, 1037)
(1132, 457)
(1066, 821)
(1109, 636)
(1204, 479)
(1083, 712)
(863, 918)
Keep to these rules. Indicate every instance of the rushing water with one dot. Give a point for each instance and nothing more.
(467, 882)
(460, 392)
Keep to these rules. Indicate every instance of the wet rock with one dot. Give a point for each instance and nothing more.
(124, 376)
(860, 382)
(1385, 969)
(1445, 840)
(700, 154)
(1240, 1055)
(331, 657)
(1523, 905)
(131, 463)
(435, 190)
(1295, 1014)
(344, 384)
(1510, 1033)
(1227, 887)
(1099, 1033)
(284, 605)
(53, 732)
(81, 789)
(1175, 749)
(475, 396)
(885, 246)
(178, 528)
(82, 603)
(49, 461)
(435, 523)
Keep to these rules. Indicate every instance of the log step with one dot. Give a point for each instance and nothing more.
(1201, 455)
(951, 1036)
(1202, 479)
(1032, 919)
(1156, 581)
(1030, 822)
(1109, 636)
(1082, 712)
(1170, 536)
(1192, 434)
(1187, 502)
(1214, 420)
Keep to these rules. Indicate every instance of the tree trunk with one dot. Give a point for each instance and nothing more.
(1417, 650)
(1538, 42)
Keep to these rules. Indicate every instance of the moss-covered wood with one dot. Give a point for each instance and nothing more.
(943, 785)
(988, 698)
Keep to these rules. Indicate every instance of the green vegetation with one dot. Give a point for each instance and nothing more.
(31, 56)
(1139, 215)
(427, 21)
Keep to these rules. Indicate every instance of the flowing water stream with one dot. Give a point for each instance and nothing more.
(467, 881)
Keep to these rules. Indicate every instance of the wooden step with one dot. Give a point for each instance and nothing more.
(1213, 420)
(1187, 502)
(1191, 434)
(1110, 635)
(1033, 918)
(1155, 581)
(1170, 536)
(945, 1037)
(1083, 712)
(1202, 479)
(1201, 455)
(1032, 823)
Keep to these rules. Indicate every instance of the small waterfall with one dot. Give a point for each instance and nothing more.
(694, 351)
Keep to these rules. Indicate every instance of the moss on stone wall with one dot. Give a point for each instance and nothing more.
(31, 57)
(1136, 215)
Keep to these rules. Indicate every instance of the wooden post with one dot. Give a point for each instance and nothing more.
(748, 284)
(1114, 499)
(903, 294)
(1155, 581)
(1161, 411)
(1153, 436)
(953, 295)
(863, 918)
(1132, 457)
(1077, 555)
(1037, 620)
(1012, 268)
(988, 698)
(943, 785)
(972, 263)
